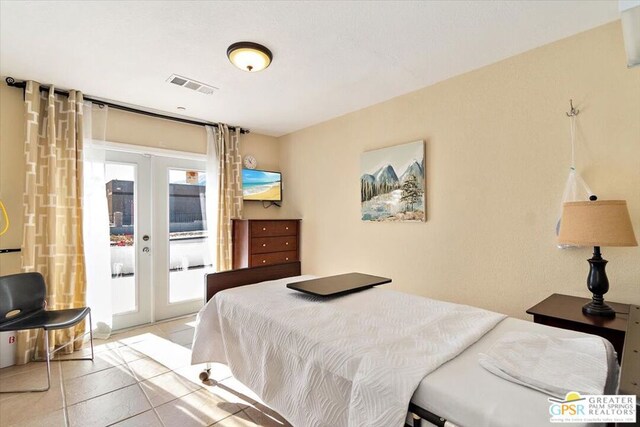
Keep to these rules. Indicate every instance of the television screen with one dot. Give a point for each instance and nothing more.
(261, 185)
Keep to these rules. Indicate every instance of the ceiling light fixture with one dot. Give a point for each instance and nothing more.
(249, 56)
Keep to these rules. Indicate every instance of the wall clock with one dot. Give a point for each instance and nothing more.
(250, 162)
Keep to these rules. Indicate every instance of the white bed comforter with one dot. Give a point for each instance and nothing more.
(354, 360)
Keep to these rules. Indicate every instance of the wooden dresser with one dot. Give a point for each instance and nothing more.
(265, 242)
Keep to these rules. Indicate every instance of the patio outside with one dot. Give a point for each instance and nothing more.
(189, 254)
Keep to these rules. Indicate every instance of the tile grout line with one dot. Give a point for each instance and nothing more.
(153, 408)
(120, 362)
(99, 370)
(229, 416)
(152, 324)
(131, 373)
(28, 367)
(16, 396)
(140, 413)
(145, 394)
(65, 412)
(31, 366)
(199, 385)
(111, 391)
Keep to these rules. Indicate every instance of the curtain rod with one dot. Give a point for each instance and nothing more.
(22, 85)
(6, 251)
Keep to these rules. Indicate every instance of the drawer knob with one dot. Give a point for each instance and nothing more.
(286, 228)
(264, 244)
(286, 259)
(287, 243)
(264, 261)
(264, 228)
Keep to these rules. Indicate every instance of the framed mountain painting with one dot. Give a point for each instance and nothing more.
(392, 183)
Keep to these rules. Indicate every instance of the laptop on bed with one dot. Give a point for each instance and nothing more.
(341, 284)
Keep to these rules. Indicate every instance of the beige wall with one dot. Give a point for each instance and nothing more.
(122, 127)
(11, 173)
(497, 160)
(141, 130)
(266, 150)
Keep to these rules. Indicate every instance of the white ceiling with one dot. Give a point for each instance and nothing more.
(330, 58)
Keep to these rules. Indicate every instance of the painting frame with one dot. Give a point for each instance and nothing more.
(393, 183)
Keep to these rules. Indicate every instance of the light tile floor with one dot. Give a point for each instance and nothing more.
(141, 377)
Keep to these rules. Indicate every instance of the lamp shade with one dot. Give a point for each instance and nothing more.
(596, 223)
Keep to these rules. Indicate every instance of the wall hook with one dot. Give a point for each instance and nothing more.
(573, 111)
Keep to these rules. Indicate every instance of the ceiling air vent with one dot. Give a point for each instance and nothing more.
(191, 84)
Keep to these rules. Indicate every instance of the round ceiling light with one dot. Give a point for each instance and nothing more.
(249, 56)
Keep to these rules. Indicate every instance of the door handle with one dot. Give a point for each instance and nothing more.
(145, 249)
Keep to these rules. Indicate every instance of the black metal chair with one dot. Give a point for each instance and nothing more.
(23, 306)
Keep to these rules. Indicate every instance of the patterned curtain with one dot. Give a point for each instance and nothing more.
(227, 145)
(52, 240)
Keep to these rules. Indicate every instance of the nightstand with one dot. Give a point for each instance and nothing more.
(565, 311)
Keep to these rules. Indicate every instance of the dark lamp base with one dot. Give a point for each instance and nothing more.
(598, 284)
(598, 309)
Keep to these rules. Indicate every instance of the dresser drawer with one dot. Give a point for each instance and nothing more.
(274, 228)
(274, 258)
(261, 245)
(258, 242)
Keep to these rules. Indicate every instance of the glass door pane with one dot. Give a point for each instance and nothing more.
(120, 185)
(188, 239)
(127, 183)
(182, 257)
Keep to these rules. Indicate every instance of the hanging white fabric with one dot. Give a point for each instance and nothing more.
(212, 194)
(576, 189)
(96, 221)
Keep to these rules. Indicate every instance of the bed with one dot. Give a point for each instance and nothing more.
(459, 392)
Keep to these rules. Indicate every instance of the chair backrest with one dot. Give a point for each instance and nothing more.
(24, 291)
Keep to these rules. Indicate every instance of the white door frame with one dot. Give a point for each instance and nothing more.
(151, 212)
(164, 309)
(142, 226)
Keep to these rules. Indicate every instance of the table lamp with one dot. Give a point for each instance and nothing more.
(597, 223)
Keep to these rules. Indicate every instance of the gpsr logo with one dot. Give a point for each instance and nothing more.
(593, 408)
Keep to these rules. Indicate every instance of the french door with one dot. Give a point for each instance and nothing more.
(159, 242)
(182, 252)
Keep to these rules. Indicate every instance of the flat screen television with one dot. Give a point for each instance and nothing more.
(261, 185)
